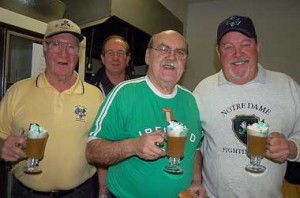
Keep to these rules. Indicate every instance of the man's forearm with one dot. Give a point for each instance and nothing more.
(1, 147)
(106, 153)
(102, 171)
(197, 166)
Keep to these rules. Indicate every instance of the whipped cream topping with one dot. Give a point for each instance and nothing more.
(259, 129)
(176, 129)
(36, 131)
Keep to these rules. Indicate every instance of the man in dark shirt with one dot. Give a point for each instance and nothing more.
(115, 57)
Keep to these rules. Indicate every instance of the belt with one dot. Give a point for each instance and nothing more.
(53, 193)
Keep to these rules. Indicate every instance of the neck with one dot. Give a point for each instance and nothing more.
(162, 87)
(116, 78)
(61, 83)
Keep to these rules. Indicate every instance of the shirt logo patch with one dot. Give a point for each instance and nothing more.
(80, 113)
(239, 126)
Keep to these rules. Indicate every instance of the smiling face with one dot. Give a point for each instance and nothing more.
(239, 57)
(60, 62)
(115, 57)
(164, 58)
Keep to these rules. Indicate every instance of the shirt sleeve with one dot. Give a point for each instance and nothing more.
(295, 135)
(6, 114)
(110, 119)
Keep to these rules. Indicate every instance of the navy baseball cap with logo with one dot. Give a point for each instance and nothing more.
(237, 23)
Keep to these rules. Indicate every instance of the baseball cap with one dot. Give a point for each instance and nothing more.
(63, 26)
(241, 24)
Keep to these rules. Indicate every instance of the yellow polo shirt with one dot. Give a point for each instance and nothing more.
(67, 117)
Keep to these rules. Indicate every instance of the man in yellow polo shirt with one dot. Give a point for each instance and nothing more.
(65, 106)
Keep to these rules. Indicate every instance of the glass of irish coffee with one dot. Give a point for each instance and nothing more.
(176, 136)
(256, 146)
(35, 147)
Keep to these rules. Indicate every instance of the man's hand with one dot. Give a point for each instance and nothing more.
(12, 148)
(279, 149)
(147, 146)
(196, 190)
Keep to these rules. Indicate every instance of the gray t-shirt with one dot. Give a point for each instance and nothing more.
(225, 109)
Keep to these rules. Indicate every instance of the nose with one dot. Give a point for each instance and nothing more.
(115, 56)
(238, 51)
(171, 55)
(63, 50)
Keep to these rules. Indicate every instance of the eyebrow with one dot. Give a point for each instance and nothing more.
(184, 48)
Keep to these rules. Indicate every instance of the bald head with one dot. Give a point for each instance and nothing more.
(167, 34)
(166, 57)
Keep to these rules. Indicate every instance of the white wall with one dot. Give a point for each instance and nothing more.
(12, 18)
(278, 28)
(178, 8)
(18, 20)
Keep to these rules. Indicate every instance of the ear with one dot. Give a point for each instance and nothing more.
(258, 47)
(217, 50)
(147, 56)
(128, 59)
(102, 57)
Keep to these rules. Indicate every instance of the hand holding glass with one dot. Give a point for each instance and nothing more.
(175, 150)
(256, 147)
(35, 147)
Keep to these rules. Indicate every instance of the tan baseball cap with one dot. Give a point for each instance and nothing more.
(63, 26)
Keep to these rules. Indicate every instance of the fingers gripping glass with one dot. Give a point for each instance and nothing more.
(165, 50)
(56, 47)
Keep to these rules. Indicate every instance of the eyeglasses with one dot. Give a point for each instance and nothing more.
(165, 50)
(57, 46)
(119, 53)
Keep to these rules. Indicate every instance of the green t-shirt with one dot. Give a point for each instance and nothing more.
(135, 108)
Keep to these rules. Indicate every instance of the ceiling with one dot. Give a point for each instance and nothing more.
(198, 1)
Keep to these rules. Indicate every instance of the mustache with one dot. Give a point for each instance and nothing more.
(240, 59)
(170, 64)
